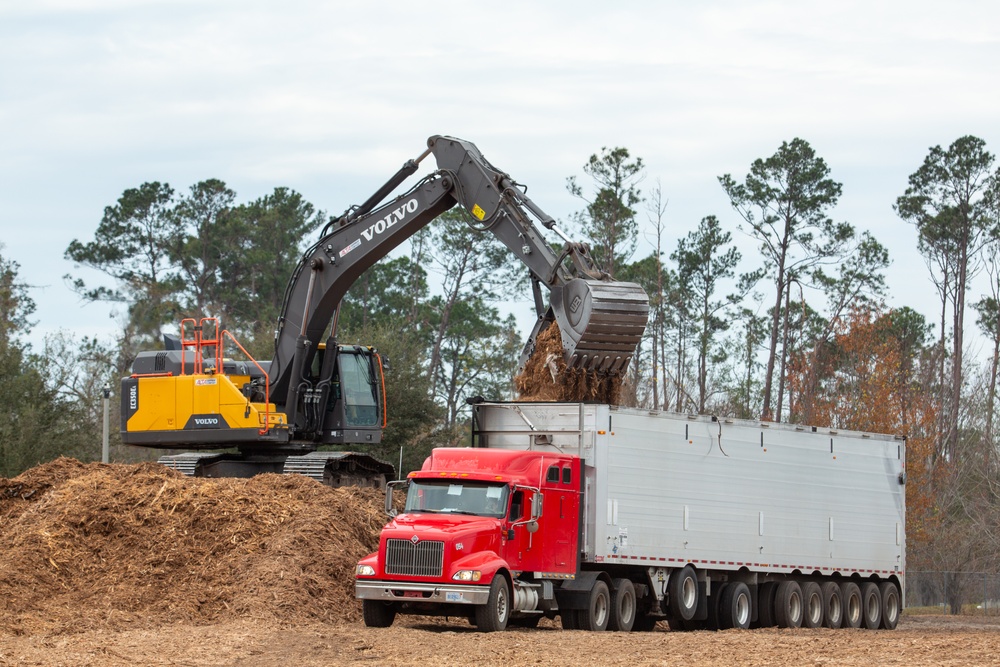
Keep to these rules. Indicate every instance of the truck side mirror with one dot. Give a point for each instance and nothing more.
(531, 526)
(389, 488)
(536, 507)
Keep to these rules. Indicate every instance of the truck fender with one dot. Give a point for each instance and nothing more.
(487, 562)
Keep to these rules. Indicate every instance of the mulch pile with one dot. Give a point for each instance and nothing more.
(112, 546)
(546, 378)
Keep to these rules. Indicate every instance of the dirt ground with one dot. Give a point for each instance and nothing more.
(138, 565)
(918, 641)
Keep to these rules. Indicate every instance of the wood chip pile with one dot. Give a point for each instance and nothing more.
(91, 545)
(546, 378)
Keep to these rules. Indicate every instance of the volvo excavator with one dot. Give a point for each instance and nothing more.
(315, 392)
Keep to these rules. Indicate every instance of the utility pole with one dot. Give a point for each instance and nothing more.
(105, 450)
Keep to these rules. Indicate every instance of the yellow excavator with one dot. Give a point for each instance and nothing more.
(276, 414)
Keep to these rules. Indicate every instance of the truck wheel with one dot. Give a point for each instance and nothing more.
(622, 606)
(377, 614)
(833, 605)
(765, 604)
(598, 612)
(683, 591)
(891, 606)
(812, 605)
(851, 595)
(871, 605)
(568, 619)
(493, 616)
(735, 606)
(788, 605)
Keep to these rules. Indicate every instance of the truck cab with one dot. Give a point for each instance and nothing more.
(484, 533)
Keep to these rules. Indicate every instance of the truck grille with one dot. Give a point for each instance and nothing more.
(423, 559)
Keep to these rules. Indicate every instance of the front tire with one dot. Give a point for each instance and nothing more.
(493, 616)
(623, 606)
(377, 614)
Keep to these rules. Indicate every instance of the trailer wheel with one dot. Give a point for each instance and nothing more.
(378, 614)
(622, 606)
(812, 605)
(891, 606)
(871, 605)
(598, 612)
(851, 594)
(683, 591)
(765, 604)
(833, 605)
(735, 606)
(788, 605)
(493, 616)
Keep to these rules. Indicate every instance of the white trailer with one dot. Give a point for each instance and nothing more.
(804, 524)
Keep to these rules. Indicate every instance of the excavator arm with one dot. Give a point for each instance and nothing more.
(601, 321)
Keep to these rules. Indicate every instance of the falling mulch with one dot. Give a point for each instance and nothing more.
(546, 378)
(113, 546)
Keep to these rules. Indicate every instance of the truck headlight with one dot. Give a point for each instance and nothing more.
(365, 571)
(467, 575)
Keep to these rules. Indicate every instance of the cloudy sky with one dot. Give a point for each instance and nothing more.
(330, 98)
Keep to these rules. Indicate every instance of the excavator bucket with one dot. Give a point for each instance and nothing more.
(601, 323)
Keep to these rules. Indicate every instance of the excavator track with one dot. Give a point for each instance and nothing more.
(329, 468)
(341, 469)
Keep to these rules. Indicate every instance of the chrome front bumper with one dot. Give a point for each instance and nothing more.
(398, 591)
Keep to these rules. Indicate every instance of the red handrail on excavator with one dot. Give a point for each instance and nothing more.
(198, 341)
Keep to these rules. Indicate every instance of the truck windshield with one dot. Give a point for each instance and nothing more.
(457, 497)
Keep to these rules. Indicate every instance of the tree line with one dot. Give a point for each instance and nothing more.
(801, 331)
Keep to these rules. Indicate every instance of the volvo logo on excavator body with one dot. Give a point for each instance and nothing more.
(390, 220)
(205, 421)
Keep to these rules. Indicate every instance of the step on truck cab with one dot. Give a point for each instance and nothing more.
(616, 518)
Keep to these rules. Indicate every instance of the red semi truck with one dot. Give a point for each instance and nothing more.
(614, 518)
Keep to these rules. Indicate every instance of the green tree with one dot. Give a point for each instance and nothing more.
(269, 236)
(479, 352)
(131, 246)
(38, 424)
(784, 202)
(947, 200)
(705, 259)
(391, 293)
(608, 221)
(473, 266)
(204, 235)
